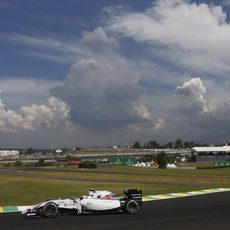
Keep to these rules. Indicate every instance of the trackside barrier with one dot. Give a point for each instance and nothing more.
(9, 209)
(222, 163)
(184, 194)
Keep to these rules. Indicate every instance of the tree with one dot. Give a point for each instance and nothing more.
(162, 160)
(136, 145)
(169, 145)
(152, 145)
(21, 151)
(40, 162)
(147, 158)
(178, 143)
(192, 158)
(29, 151)
(18, 163)
(188, 144)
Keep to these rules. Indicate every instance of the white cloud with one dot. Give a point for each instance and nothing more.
(195, 35)
(62, 50)
(160, 124)
(200, 120)
(53, 49)
(143, 112)
(191, 96)
(56, 113)
(150, 126)
(101, 92)
(43, 42)
(55, 57)
(18, 91)
(102, 89)
(98, 40)
(107, 94)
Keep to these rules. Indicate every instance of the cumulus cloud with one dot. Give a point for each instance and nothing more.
(143, 112)
(160, 124)
(201, 120)
(98, 40)
(56, 113)
(192, 34)
(190, 31)
(18, 91)
(102, 89)
(107, 93)
(101, 92)
(191, 96)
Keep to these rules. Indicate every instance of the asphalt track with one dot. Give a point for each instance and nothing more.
(209, 212)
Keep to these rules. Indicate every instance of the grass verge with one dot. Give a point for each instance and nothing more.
(19, 190)
(27, 190)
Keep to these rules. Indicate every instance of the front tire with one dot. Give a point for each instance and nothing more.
(50, 210)
(132, 207)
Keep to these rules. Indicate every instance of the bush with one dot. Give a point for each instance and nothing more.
(147, 158)
(162, 160)
(18, 163)
(87, 165)
(41, 162)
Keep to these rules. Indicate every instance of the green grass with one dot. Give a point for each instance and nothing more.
(153, 178)
(26, 190)
(172, 172)
(18, 190)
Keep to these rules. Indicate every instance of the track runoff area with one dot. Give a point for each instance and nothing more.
(10, 209)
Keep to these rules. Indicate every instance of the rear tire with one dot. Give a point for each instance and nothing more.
(132, 207)
(50, 210)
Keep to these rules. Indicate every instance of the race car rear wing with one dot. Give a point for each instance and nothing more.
(134, 194)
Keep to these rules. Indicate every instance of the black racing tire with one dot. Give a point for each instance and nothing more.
(75, 212)
(132, 207)
(50, 210)
(40, 212)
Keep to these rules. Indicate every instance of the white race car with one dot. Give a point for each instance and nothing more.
(96, 201)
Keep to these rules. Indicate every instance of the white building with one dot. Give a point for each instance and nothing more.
(216, 149)
(58, 151)
(211, 153)
(9, 153)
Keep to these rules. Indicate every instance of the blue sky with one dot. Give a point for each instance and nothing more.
(110, 72)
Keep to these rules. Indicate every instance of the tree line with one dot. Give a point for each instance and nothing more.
(178, 143)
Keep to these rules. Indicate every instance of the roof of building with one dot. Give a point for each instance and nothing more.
(225, 148)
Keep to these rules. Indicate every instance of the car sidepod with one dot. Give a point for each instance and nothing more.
(92, 204)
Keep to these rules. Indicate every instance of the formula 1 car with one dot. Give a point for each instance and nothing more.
(96, 201)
